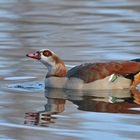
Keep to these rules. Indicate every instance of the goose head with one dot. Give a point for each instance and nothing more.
(54, 64)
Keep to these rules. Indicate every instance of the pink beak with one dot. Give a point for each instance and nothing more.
(34, 55)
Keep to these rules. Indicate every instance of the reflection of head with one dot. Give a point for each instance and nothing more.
(43, 118)
(38, 118)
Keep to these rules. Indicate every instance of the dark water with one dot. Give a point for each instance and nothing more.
(78, 31)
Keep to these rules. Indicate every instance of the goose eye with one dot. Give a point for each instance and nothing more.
(47, 53)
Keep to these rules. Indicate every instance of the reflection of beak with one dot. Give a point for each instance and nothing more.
(34, 55)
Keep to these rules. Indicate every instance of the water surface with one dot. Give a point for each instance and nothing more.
(78, 31)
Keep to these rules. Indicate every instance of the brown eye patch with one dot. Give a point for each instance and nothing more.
(47, 53)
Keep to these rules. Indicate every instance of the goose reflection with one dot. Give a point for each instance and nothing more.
(110, 101)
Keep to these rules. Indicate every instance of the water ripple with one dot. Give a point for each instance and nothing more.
(27, 86)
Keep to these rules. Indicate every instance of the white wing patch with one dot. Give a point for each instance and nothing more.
(114, 77)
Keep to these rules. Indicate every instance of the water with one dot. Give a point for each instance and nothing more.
(78, 31)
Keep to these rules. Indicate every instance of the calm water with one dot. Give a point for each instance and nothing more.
(78, 31)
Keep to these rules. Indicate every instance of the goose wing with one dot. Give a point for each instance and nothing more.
(94, 71)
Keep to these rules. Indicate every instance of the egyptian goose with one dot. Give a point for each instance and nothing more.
(98, 76)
